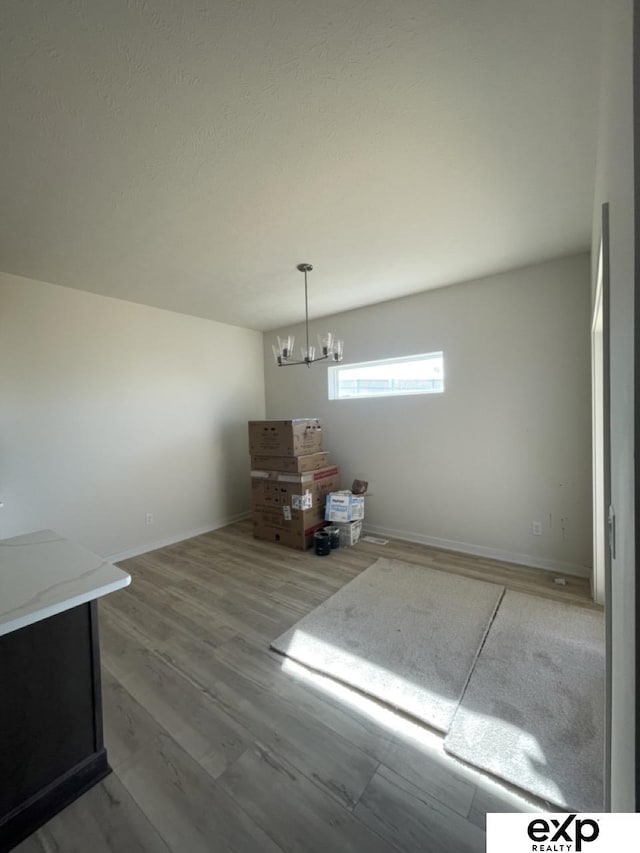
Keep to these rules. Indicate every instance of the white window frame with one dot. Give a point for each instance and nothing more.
(333, 374)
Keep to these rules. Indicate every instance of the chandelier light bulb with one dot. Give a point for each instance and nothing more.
(325, 342)
(285, 345)
(308, 354)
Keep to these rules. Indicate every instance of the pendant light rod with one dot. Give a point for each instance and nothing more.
(305, 268)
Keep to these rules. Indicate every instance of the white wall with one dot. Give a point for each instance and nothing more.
(614, 183)
(508, 442)
(110, 410)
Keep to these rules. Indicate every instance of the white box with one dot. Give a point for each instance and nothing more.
(343, 506)
(349, 532)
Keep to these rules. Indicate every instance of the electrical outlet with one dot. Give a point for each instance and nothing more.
(536, 528)
(148, 519)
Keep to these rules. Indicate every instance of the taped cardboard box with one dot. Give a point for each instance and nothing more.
(304, 477)
(286, 518)
(296, 533)
(343, 506)
(290, 464)
(350, 531)
(307, 492)
(268, 495)
(296, 437)
(301, 540)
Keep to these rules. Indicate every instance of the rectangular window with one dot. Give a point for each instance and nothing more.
(389, 377)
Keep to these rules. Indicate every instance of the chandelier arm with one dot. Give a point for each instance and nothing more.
(306, 361)
(291, 363)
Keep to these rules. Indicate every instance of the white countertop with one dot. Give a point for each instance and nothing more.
(42, 574)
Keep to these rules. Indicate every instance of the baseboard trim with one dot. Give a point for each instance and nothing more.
(557, 566)
(178, 537)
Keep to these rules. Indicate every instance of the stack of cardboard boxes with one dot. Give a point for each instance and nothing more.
(290, 479)
(345, 511)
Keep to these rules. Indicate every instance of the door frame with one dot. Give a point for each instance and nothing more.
(600, 419)
(636, 384)
(601, 436)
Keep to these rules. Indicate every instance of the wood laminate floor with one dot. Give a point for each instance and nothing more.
(216, 746)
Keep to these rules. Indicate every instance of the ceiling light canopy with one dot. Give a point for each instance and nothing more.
(329, 347)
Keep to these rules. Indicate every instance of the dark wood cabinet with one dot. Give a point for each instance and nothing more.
(51, 742)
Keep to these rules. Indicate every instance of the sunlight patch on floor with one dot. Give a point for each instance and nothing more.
(362, 674)
(386, 717)
(415, 735)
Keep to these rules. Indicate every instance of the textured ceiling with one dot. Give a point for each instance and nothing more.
(189, 154)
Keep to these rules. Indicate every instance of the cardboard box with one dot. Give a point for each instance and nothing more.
(349, 532)
(301, 541)
(297, 533)
(297, 437)
(290, 464)
(296, 491)
(305, 477)
(343, 506)
(285, 518)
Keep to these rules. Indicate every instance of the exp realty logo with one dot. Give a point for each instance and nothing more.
(561, 833)
(554, 836)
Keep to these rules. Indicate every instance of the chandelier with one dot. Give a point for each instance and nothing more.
(329, 347)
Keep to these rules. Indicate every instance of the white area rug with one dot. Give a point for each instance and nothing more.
(404, 634)
(533, 710)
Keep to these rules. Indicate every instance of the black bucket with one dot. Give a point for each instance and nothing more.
(334, 536)
(322, 542)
